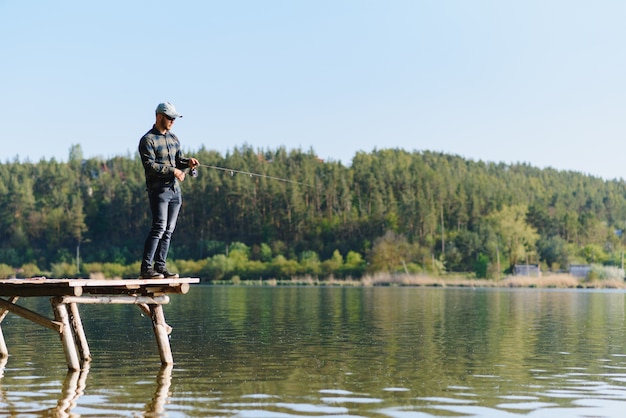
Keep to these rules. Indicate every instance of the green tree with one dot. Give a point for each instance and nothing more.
(75, 154)
(553, 250)
(517, 238)
(390, 253)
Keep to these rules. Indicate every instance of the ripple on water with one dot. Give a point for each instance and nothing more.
(286, 353)
(259, 396)
(444, 400)
(335, 392)
(343, 399)
(530, 406)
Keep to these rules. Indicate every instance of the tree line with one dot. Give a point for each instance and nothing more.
(391, 210)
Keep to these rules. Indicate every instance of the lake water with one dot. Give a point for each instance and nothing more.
(389, 352)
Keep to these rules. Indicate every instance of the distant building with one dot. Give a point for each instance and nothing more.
(531, 270)
(580, 270)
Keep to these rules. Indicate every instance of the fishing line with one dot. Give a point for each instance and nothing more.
(233, 172)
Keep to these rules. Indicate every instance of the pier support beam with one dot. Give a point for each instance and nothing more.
(161, 332)
(67, 334)
(79, 334)
(4, 352)
(66, 294)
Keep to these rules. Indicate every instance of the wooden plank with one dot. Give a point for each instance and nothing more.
(140, 286)
(118, 282)
(117, 300)
(31, 316)
(130, 291)
(180, 289)
(76, 287)
(36, 289)
(43, 280)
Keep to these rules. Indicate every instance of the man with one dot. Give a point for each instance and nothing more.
(164, 165)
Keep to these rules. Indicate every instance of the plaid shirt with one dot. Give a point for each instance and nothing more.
(160, 155)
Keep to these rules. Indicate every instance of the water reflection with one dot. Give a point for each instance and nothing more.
(73, 388)
(338, 352)
(3, 363)
(156, 407)
(417, 352)
(75, 384)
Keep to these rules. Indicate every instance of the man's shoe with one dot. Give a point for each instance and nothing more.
(168, 274)
(151, 274)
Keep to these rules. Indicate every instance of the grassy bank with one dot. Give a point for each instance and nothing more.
(557, 281)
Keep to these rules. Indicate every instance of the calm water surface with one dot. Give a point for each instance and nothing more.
(333, 352)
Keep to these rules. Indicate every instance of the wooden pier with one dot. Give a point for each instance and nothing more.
(65, 294)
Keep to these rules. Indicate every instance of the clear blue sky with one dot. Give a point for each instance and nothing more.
(535, 81)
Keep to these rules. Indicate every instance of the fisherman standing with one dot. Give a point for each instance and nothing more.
(165, 168)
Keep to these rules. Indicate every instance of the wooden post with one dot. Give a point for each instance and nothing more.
(67, 335)
(3, 363)
(4, 351)
(79, 334)
(31, 316)
(5, 311)
(161, 333)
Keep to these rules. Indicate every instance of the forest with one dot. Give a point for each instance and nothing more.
(388, 211)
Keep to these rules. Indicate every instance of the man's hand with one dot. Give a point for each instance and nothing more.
(193, 163)
(179, 174)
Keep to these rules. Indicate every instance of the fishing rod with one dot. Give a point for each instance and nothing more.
(233, 171)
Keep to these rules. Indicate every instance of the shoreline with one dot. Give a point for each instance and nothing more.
(548, 281)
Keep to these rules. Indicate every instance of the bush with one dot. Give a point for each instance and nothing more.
(6, 271)
(599, 272)
(64, 270)
(30, 270)
(191, 268)
(253, 270)
(114, 270)
(108, 270)
(283, 269)
(218, 267)
(333, 266)
(354, 266)
(310, 263)
(133, 269)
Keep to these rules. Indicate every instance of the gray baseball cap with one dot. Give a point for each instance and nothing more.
(168, 109)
